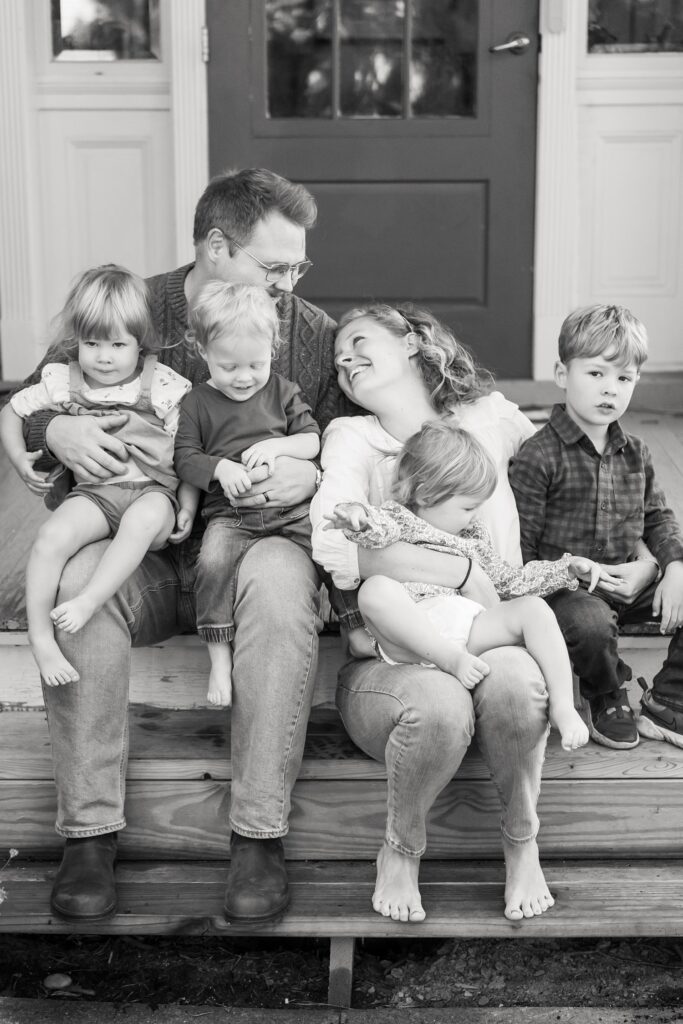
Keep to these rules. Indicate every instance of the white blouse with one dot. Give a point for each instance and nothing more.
(358, 458)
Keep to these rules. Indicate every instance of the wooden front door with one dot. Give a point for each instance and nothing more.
(417, 141)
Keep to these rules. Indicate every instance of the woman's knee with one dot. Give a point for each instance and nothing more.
(514, 678)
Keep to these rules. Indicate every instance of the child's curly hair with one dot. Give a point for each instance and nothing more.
(447, 367)
(439, 461)
(103, 302)
(222, 308)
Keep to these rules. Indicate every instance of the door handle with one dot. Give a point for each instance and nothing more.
(515, 43)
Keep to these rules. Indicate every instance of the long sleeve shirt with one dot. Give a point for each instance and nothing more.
(570, 497)
(393, 522)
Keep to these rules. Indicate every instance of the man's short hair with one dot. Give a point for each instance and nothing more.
(236, 201)
(595, 330)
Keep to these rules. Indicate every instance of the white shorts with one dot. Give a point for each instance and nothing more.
(452, 615)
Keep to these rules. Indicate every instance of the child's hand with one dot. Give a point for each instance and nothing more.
(183, 526)
(38, 483)
(263, 453)
(668, 599)
(348, 515)
(232, 477)
(593, 573)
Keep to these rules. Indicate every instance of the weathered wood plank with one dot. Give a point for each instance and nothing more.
(336, 820)
(591, 900)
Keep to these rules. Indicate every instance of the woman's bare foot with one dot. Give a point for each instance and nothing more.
(526, 891)
(396, 892)
(466, 668)
(54, 669)
(571, 727)
(73, 615)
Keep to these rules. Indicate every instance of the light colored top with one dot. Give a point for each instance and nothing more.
(53, 391)
(358, 459)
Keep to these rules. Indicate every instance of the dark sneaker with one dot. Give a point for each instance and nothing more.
(612, 722)
(658, 721)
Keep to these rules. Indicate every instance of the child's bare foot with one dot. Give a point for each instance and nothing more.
(571, 727)
(54, 669)
(396, 892)
(359, 643)
(220, 688)
(73, 615)
(526, 890)
(467, 669)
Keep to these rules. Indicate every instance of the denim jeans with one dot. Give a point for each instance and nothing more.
(420, 721)
(275, 658)
(590, 626)
(227, 538)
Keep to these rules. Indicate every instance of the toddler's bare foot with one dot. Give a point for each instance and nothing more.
(220, 689)
(396, 892)
(54, 669)
(526, 890)
(73, 615)
(359, 643)
(467, 669)
(571, 727)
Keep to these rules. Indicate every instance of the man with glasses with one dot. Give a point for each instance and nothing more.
(250, 227)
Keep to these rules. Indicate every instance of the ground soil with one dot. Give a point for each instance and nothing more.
(387, 973)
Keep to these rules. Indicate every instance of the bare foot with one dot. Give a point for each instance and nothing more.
(359, 643)
(466, 668)
(526, 890)
(571, 727)
(220, 688)
(73, 615)
(54, 669)
(396, 892)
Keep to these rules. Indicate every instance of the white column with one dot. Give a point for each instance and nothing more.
(563, 28)
(21, 307)
(189, 111)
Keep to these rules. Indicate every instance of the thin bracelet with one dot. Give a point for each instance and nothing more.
(467, 574)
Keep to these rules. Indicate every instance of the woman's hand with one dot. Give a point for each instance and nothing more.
(668, 599)
(593, 573)
(479, 587)
(291, 482)
(348, 515)
(83, 444)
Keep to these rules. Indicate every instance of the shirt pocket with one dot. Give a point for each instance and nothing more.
(629, 499)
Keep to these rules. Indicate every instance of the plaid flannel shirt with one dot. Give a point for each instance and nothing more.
(572, 498)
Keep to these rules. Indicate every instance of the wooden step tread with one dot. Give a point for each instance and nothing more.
(462, 900)
(195, 744)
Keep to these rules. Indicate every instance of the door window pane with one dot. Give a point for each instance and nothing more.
(352, 59)
(632, 26)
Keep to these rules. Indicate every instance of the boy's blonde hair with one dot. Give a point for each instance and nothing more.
(448, 369)
(222, 308)
(439, 461)
(101, 303)
(594, 330)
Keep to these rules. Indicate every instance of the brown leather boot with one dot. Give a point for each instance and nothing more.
(84, 888)
(257, 881)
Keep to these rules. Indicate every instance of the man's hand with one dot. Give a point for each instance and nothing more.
(183, 526)
(292, 481)
(83, 445)
(479, 587)
(593, 573)
(37, 482)
(634, 576)
(347, 515)
(263, 453)
(668, 599)
(232, 477)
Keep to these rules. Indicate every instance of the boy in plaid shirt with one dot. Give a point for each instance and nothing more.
(583, 485)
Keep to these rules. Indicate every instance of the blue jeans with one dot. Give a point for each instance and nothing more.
(227, 538)
(275, 659)
(420, 721)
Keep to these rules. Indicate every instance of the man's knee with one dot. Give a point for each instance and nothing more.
(79, 570)
(276, 574)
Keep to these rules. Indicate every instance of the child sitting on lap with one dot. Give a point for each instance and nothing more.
(442, 477)
(244, 417)
(582, 483)
(105, 331)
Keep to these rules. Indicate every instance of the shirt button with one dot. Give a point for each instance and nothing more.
(603, 504)
(356, 581)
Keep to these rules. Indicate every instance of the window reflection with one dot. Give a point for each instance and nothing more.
(632, 26)
(371, 58)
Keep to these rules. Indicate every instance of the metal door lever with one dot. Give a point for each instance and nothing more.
(516, 43)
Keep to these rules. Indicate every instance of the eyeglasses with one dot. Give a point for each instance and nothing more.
(275, 271)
